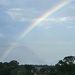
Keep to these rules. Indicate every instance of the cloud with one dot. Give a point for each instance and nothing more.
(23, 19)
(61, 19)
(15, 9)
(21, 14)
(15, 13)
(50, 22)
(55, 19)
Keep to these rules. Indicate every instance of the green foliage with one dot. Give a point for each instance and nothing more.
(63, 67)
(66, 66)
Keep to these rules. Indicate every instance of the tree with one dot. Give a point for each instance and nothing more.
(66, 66)
(43, 70)
(69, 59)
(29, 67)
(14, 63)
(1, 65)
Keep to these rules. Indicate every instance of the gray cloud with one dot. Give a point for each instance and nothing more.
(55, 21)
(22, 14)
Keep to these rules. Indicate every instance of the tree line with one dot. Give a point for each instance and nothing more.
(65, 66)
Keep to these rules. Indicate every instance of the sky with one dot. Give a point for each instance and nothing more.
(50, 41)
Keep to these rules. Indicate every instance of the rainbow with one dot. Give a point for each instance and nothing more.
(34, 24)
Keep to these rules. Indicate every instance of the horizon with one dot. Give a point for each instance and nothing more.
(48, 42)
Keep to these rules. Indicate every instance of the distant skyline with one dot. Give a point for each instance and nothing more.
(50, 41)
